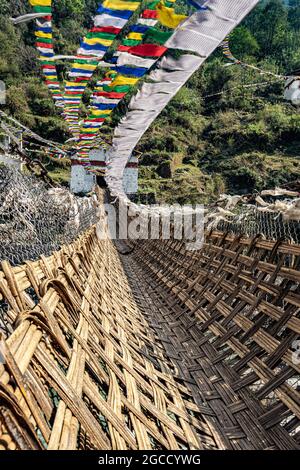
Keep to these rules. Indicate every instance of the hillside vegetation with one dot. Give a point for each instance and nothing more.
(218, 134)
(246, 138)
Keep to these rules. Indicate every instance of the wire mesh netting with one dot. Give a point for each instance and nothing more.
(36, 221)
(250, 221)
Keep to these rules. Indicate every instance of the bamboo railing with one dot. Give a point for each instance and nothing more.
(229, 316)
(157, 349)
(82, 368)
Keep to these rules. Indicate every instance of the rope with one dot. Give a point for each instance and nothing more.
(33, 134)
(234, 61)
(251, 85)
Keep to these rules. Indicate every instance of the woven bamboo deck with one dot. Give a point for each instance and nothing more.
(157, 349)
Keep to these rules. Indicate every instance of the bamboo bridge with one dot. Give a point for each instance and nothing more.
(151, 346)
(142, 345)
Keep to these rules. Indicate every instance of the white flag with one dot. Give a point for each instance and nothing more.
(108, 20)
(128, 59)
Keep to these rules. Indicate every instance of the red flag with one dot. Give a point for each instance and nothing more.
(80, 79)
(89, 135)
(95, 120)
(123, 48)
(106, 29)
(110, 94)
(44, 44)
(149, 14)
(147, 50)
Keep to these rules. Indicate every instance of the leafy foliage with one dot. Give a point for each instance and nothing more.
(245, 138)
(241, 138)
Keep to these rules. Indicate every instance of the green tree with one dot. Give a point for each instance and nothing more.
(244, 43)
(66, 8)
(9, 51)
(294, 14)
(4, 7)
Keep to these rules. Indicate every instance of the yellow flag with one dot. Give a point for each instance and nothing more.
(40, 3)
(72, 84)
(135, 36)
(120, 5)
(102, 111)
(85, 66)
(123, 80)
(93, 41)
(97, 112)
(40, 34)
(168, 17)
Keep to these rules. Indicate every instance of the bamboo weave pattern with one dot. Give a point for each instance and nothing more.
(157, 349)
(229, 317)
(82, 369)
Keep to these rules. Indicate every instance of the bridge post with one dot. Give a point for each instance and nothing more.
(82, 181)
(131, 174)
